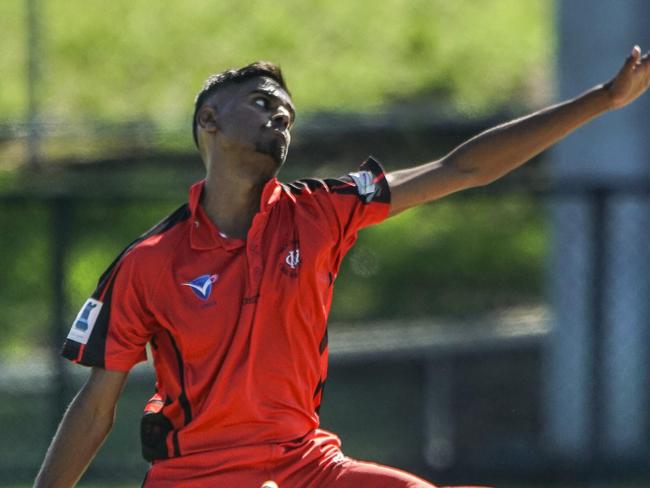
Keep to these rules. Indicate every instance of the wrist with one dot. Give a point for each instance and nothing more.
(605, 92)
(601, 97)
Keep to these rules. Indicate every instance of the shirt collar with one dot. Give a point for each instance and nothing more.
(205, 234)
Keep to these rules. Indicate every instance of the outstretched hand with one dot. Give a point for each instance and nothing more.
(631, 81)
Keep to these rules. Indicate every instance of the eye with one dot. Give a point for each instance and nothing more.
(261, 102)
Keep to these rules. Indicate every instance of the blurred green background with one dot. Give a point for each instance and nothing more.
(141, 63)
(121, 60)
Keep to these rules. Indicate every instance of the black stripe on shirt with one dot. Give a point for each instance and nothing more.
(182, 398)
(179, 215)
(93, 353)
(323, 342)
(345, 185)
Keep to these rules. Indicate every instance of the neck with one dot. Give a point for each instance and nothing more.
(232, 198)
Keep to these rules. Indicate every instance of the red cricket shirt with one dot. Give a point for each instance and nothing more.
(238, 329)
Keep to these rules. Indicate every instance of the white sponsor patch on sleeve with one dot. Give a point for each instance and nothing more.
(365, 182)
(83, 325)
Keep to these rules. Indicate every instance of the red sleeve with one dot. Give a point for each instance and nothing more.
(342, 206)
(114, 325)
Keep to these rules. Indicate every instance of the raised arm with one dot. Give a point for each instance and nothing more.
(493, 153)
(84, 427)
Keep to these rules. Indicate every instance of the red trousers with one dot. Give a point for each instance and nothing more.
(314, 461)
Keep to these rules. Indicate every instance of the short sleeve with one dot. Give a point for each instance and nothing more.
(113, 327)
(342, 206)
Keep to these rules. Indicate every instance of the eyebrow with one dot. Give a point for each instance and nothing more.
(273, 92)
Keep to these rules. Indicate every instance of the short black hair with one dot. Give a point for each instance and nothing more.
(219, 80)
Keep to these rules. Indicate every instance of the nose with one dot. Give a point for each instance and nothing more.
(281, 120)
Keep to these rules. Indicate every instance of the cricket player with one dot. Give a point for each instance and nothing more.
(233, 289)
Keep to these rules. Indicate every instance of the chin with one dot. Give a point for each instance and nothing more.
(276, 151)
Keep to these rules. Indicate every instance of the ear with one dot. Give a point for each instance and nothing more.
(207, 119)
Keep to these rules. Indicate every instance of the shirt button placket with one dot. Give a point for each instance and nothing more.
(255, 263)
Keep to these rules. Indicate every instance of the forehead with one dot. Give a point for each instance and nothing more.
(258, 84)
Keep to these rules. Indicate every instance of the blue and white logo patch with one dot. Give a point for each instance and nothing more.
(83, 325)
(202, 286)
(365, 182)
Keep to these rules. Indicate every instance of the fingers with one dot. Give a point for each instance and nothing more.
(632, 59)
(642, 70)
(643, 60)
(637, 61)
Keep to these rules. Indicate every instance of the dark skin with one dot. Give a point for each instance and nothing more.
(243, 138)
(243, 133)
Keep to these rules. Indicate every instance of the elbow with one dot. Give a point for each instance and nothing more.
(482, 175)
(107, 420)
(104, 419)
(98, 416)
(475, 174)
(98, 425)
(484, 178)
(470, 176)
(476, 177)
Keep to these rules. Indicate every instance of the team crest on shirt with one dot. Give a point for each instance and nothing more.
(290, 259)
(202, 286)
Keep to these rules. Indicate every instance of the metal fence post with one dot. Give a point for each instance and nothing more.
(33, 29)
(599, 198)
